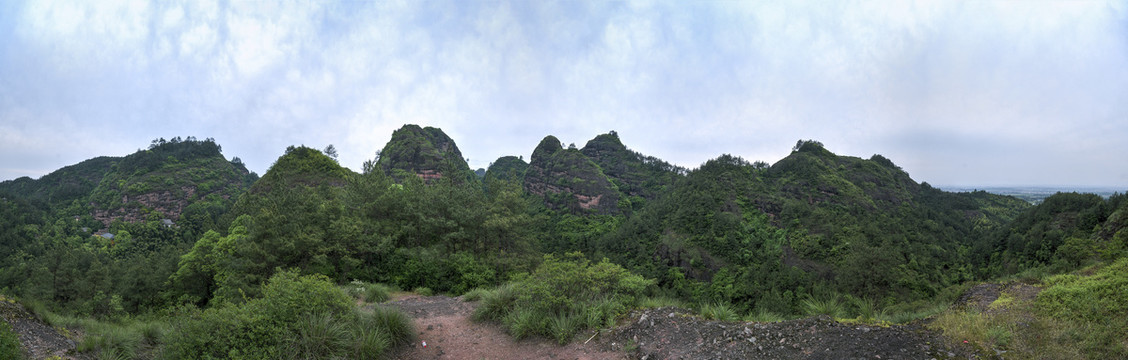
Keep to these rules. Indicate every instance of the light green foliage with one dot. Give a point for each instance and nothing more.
(263, 327)
(831, 306)
(9, 343)
(563, 296)
(1100, 299)
(719, 311)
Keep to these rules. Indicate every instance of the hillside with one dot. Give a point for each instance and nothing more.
(812, 224)
(424, 152)
(568, 180)
(636, 175)
(566, 244)
(165, 179)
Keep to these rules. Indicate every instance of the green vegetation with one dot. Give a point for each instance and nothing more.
(424, 152)
(299, 316)
(562, 297)
(559, 245)
(9, 343)
(569, 181)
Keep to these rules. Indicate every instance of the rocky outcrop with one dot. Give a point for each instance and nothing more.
(568, 180)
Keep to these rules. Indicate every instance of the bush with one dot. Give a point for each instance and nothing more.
(298, 316)
(561, 297)
(475, 294)
(9, 343)
(377, 293)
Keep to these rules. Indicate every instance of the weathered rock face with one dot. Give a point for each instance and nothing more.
(424, 152)
(568, 180)
(636, 174)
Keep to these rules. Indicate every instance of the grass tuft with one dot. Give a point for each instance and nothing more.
(764, 316)
(831, 307)
(721, 311)
(398, 328)
(318, 336)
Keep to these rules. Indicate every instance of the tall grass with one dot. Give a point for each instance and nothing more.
(721, 311)
(830, 306)
(318, 335)
(398, 327)
(660, 301)
(495, 303)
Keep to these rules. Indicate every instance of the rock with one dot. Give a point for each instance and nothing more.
(642, 318)
(752, 340)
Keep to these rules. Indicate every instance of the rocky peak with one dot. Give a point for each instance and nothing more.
(568, 180)
(425, 152)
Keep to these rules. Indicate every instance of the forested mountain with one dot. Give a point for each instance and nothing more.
(103, 236)
(424, 152)
(638, 176)
(1064, 231)
(768, 238)
(812, 223)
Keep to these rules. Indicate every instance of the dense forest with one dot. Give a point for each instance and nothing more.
(234, 264)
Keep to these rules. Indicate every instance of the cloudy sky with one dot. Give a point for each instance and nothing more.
(957, 93)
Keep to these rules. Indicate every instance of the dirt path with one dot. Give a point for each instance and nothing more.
(444, 323)
(669, 333)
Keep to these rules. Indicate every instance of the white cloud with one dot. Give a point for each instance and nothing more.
(682, 81)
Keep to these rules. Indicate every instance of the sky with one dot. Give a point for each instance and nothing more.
(974, 93)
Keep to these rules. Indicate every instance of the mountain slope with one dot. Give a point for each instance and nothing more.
(636, 175)
(568, 180)
(424, 152)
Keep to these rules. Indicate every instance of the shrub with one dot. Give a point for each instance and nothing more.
(475, 294)
(9, 343)
(317, 336)
(562, 297)
(298, 316)
(495, 303)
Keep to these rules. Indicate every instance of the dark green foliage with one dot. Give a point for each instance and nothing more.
(1065, 231)
(9, 343)
(636, 175)
(424, 152)
(813, 224)
(503, 172)
(789, 239)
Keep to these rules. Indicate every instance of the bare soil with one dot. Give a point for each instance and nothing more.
(669, 333)
(444, 324)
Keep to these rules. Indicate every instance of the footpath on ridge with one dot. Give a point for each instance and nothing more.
(668, 333)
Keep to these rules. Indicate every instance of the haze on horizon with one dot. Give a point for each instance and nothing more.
(956, 93)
